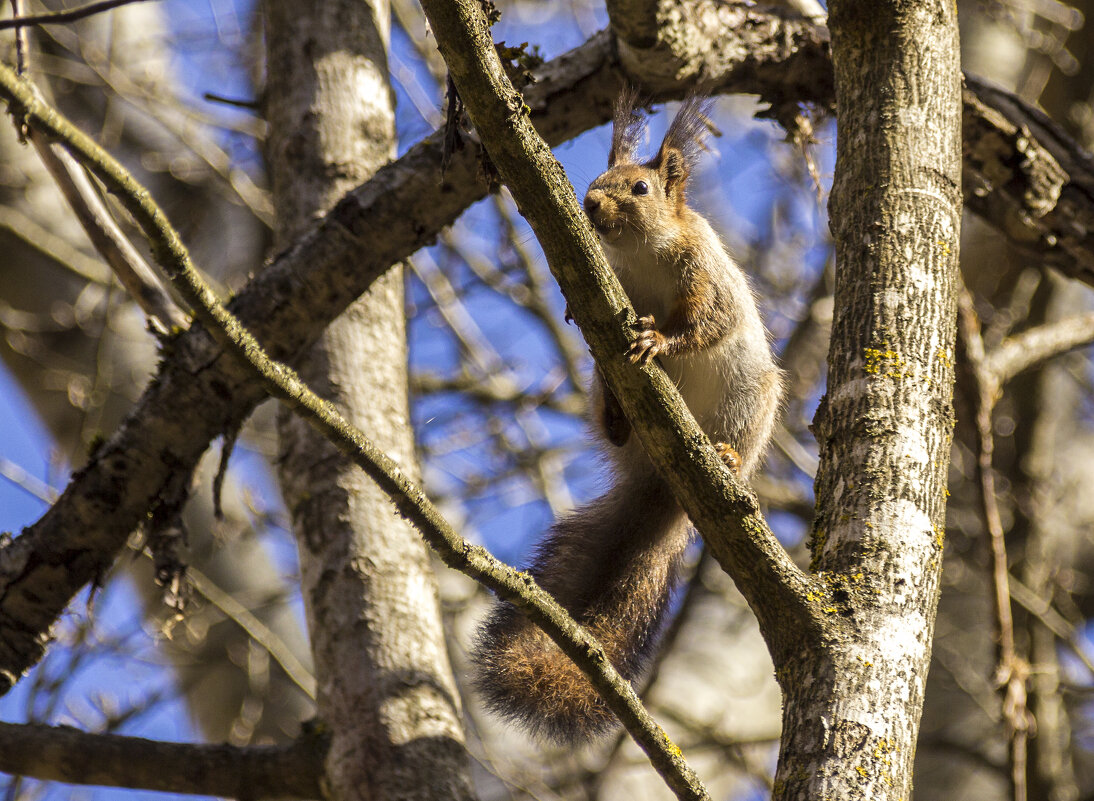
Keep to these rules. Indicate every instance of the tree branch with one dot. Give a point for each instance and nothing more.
(132, 271)
(62, 753)
(1011, 671)
(258, 631)
(1024, 350)
(1028, 179)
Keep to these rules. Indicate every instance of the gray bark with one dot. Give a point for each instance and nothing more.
(386, 689)
(852, 708)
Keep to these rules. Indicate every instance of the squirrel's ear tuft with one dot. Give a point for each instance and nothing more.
(628, 125)
(684, 142)
(673, 167)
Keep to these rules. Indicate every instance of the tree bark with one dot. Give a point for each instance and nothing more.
(852, 708)
(386, 689)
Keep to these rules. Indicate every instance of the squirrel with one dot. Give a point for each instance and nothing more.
(613, 562)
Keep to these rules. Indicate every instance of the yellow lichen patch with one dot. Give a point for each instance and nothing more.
(939, 535)
(944, 357)
(674, 749)
(882, 750)
(883, 361)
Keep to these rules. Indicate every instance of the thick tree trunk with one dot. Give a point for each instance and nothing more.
(852, 709)
(386, 689)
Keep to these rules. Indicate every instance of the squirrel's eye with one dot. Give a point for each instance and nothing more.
(641, 188)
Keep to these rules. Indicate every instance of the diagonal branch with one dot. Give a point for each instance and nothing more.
(65, 754)
(1024, 350)
(725, 512)
(130, 268)
(258, 631)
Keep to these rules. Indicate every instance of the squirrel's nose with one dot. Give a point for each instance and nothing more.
(591, 204)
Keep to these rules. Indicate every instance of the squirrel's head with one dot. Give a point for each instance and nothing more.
(640, 201)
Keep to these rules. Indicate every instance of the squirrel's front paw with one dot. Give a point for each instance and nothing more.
(730, 456)
(648, 343)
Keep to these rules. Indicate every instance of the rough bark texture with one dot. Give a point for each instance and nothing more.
(386, 689)
(852, 710)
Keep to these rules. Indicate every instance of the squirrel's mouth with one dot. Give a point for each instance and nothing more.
(608, 231)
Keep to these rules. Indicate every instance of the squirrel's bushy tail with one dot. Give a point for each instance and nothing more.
(612, 565)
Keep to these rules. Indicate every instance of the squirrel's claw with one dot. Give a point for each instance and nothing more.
(730, 456)
(648, 343)
(567, 317)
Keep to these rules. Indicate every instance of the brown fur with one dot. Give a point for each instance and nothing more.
(612, 563)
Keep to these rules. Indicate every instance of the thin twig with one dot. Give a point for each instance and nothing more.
(134, 273)
(26, 481)
(251, 105)
(1052, 620)
(53, 247)
(258, 631)
(71, 15)
(1012, 672)
(20, 39)
(183, 123)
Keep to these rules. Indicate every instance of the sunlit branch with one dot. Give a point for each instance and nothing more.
(1035, 345)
